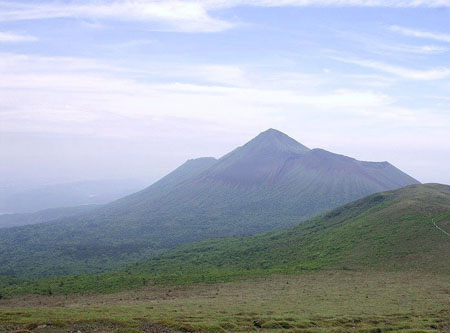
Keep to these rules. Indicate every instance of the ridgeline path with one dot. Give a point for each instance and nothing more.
(445, 232)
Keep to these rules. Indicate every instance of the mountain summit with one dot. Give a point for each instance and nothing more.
(257, 161)
(274, 140)
(269, 183)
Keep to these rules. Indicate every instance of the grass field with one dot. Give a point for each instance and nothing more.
(339, 301)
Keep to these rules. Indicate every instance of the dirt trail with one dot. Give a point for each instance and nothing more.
(445, 232)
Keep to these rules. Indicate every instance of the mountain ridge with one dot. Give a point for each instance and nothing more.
(272, 182)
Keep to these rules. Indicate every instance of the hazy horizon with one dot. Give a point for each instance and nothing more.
(132, 89)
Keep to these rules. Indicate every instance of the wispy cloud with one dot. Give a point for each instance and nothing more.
(177, 15)
(43, 94)
(425, 49)
(186, 16)
(405, 48)
(11, 37)
(443, 37)
(403, 72)
(384, 46)
(334, 3)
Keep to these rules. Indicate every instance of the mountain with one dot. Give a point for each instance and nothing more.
(399, 231)
(272, 182)
(29, 199)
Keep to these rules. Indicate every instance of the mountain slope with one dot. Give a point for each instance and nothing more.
(389, 231)
(269, 183)
(385, 231)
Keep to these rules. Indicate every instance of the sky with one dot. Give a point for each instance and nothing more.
(133, 88)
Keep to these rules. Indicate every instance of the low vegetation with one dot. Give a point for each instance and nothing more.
(326, 301)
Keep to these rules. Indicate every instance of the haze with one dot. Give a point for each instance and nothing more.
(132, 89)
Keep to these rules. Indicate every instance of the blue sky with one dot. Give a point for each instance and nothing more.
(119, 89)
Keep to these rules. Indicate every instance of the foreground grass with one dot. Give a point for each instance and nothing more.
(311, 302)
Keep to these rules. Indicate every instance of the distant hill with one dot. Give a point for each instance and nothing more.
(272, 182)
(46, 215)
(32, 199)
(388, 231)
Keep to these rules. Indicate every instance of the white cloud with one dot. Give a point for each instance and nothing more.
(333, 3)
(421, 34)
(45, 94)
(177, 15)
(229, 75)
(10, 37)
(427, 49)
(187, 16)
(404, 48)
(383, 47)
(370, 80)
(93, 102)
(403, 72)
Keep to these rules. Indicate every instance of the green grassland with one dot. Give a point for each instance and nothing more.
(326, 301)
